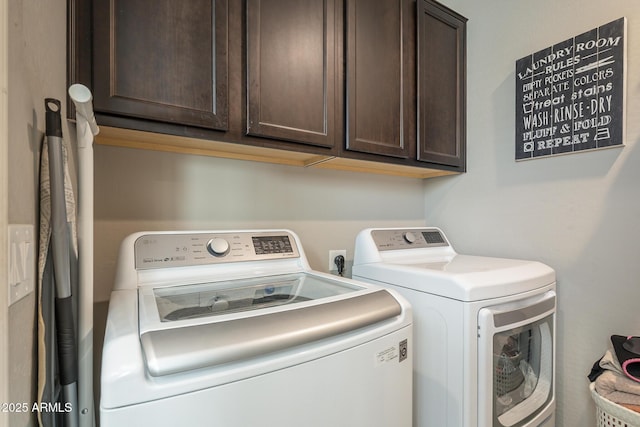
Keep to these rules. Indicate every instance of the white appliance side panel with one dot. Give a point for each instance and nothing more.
(439, 372)
(441, 357)
(363, 386)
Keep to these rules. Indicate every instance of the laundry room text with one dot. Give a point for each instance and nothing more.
(570, 96)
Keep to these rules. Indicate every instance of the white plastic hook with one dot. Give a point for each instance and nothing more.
(81, 97)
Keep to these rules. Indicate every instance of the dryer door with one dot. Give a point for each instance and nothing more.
(516, 362)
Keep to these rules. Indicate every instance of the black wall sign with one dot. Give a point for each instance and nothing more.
(570, 96)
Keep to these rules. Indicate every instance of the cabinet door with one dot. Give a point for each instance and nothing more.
(441, 85)
(381, 112)
(162, 60)
(291, 71)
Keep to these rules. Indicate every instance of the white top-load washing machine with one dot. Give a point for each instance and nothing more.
(234, 329)
(483, 327)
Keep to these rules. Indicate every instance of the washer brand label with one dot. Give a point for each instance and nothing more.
(393, 353)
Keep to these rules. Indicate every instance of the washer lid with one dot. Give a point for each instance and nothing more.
(194, 326)
(460, 277)
(202, 300)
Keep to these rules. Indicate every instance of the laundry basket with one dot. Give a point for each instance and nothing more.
(610, 414)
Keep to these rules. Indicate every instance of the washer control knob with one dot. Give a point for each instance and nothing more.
(409, 237)
(218, 247)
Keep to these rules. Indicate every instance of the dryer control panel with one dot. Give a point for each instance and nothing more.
(413, 238)
(165, 250)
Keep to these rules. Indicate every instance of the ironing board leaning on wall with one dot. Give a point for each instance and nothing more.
(57, 280)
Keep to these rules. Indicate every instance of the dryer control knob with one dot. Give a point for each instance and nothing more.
(218, 247)
(409, 237)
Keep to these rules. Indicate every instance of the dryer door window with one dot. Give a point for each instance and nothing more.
(520, 370)
(516, 362)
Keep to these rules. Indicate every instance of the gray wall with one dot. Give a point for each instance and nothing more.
(142, 190)
(4, 178)
(578, 213)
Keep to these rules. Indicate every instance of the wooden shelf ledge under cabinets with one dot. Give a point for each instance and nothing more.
(176, 144)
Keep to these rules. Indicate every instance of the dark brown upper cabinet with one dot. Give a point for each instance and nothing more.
(375, 85)
(441, 85)
(292, 71)
(380, 87)
(162, 60)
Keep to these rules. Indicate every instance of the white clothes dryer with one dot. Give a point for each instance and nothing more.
(234, 329)
(484, 328)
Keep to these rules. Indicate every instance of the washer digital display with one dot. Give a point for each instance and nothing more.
(432, 237)
(264, 245)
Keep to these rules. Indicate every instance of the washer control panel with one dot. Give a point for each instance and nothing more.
(165, 250)
(413, 238)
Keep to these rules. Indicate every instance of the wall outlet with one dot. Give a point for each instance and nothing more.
(22, 265)
(332, 256)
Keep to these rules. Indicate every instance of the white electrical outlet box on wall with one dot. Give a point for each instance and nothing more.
(21, 261)
(332, 256)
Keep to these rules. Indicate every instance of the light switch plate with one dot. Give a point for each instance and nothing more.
(22, 266)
